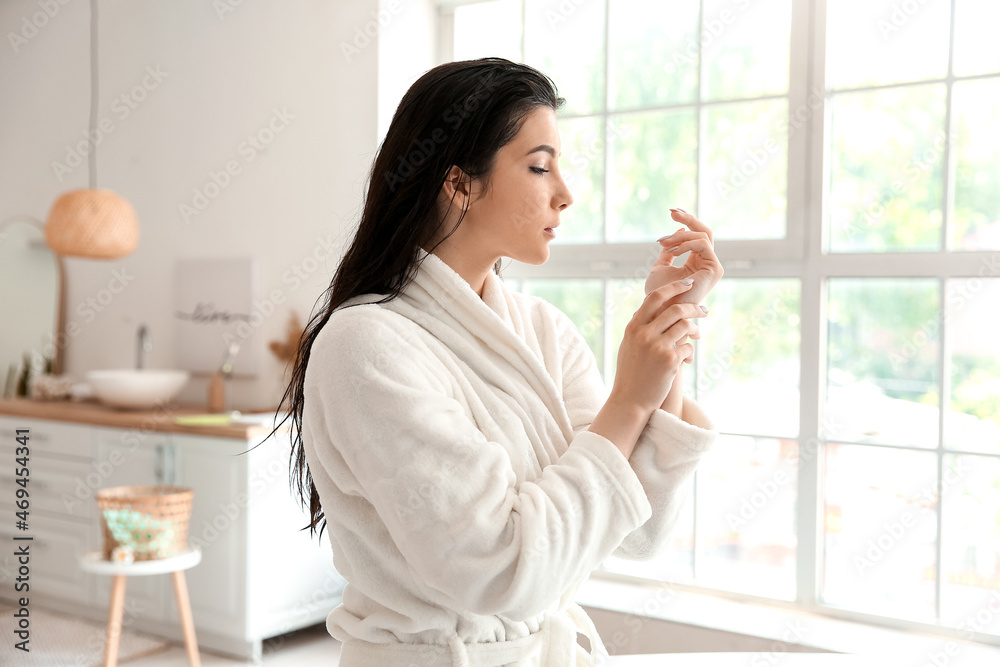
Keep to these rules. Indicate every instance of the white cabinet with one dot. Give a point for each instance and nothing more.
(59, 460)
(260, 575)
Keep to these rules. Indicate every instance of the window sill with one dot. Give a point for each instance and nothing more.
(784, 629)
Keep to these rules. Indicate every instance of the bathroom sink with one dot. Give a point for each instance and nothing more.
(136, 388)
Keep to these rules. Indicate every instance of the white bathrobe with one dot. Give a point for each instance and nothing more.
(466, 499)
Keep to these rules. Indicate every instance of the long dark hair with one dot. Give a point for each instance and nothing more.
(461, 114)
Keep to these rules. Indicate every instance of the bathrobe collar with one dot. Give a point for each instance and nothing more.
(443, 303)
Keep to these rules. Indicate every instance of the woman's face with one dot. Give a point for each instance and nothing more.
(518, 214)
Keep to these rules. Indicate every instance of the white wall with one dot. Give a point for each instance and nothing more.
(223, 75)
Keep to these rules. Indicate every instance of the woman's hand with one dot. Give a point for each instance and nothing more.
(652, 351)
(702, 265)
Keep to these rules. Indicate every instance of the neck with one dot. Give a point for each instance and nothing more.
(472, 267)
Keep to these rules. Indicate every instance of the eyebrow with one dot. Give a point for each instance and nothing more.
(543, 147)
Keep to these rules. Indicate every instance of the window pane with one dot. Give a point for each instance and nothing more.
(973, 422)
(976, 49)
(565, 40)
(582, 166)
(746, 498)
(654, 61)
(488, 29)
(886, 154)
(654, 160)
(674, 563)
(745, 48)
(886, 41)
(748, 368)
(882, 361)
(970, 548)
(880, 530)
(744, 185)
(976, 106)
(581, 300)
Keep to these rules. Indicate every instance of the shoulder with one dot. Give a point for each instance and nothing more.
(360, 332)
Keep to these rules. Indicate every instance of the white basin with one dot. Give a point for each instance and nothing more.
(136, 388)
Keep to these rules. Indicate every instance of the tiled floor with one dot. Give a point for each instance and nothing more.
(309, 647)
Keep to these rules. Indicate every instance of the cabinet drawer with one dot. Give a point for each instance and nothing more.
(60, 486)
(49, 438)
(55, 571)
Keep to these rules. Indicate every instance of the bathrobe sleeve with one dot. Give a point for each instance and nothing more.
(665, 456)
(447, 496)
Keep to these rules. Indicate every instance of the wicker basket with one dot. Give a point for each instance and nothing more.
(150, 520)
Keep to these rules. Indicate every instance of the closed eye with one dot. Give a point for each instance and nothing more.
(539, 170)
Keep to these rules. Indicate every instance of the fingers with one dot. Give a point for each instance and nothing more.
(653, 303)
(675, 322)
(700, 245)
(693, 223)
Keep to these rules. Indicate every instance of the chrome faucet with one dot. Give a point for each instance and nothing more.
(143, 345)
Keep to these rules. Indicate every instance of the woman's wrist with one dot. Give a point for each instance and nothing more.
(674, 401)
(621, 422)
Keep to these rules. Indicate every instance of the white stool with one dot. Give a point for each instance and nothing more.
(93, 561)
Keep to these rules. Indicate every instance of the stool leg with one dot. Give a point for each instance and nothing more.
(187, 622)
(115, 620)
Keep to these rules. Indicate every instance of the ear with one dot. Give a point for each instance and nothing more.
(457, 185)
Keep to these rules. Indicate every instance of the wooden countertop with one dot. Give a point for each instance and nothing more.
(162, 419)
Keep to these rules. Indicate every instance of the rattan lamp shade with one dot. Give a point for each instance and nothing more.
(92, 223)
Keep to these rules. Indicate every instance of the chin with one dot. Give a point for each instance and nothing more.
(535, 258)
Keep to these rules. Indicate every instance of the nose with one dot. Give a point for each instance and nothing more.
(564, 197)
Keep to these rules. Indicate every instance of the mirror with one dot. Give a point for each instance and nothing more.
(32, 296)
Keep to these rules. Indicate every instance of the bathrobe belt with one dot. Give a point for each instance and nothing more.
(554, 645)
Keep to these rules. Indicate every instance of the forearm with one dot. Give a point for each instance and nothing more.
(674, 401)
(621, 423)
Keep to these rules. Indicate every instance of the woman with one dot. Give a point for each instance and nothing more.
(456, 434)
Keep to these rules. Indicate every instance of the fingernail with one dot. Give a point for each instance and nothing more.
(704, 309)
(673, 249)
(687, 281)
(664, 237)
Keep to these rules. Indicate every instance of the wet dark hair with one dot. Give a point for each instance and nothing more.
(457, 114)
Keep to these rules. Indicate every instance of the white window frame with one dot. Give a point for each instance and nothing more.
(801, 255)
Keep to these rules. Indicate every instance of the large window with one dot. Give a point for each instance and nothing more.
(847, 155)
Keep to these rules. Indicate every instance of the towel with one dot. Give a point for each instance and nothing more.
(466, 499)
